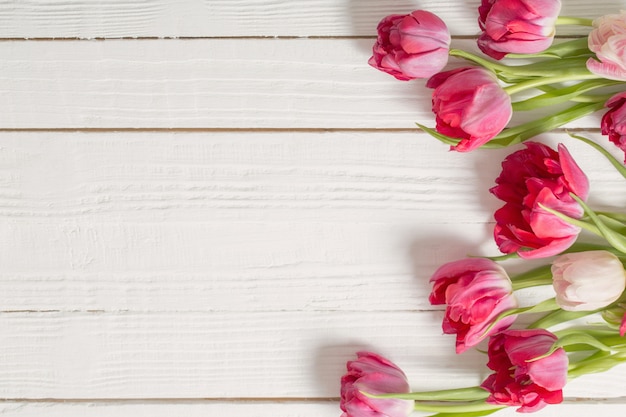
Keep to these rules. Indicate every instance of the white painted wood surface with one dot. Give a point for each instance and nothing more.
(213, 225)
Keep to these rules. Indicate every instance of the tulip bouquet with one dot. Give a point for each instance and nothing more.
(581, 327)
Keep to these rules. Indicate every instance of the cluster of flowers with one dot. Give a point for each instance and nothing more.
(474, 104)
(545, 209)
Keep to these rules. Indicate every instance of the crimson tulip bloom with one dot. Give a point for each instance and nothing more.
(520, 379)
(614, 121)
(373, 374)
(533, 177)
(475, 291)
(411, 46)
(469, 104)
(608, 41)
(517, 26)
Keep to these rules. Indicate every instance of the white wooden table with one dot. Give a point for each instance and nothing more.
(206, 207)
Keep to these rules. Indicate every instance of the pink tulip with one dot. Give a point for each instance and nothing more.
(614, 121)
(411, 46)
(519, 378)
(476, 291)
(586, 281)
(373, 374)
(533, 177)
(517, 26)
(608, 41)
(469, 104)
(622, 326)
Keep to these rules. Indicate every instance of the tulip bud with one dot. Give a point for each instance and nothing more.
(373, 374)
(586, 281)
(411, 46)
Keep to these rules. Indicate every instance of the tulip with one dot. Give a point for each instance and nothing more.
(520, 378)
(531, 178)
(476, 291)
(372, 374)
(411, 46)
(608, 41)
(517, 26)
(469, 104)
(585, 281)
(614, 121)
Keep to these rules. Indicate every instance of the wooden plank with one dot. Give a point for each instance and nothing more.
(231, 355)
(209, 83)
(238, 221)
(189, 18)
(261, 409)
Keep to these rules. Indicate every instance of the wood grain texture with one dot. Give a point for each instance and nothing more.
(223, 83)
(262, 409)
(232, 355)
(215, 18)
(238, 221)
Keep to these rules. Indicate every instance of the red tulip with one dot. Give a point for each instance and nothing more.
(614, 121)
(517, 26)
(475, 291)
(520, 379)
(373, 374)
(469, 104)
(411, 46)
(530, 178)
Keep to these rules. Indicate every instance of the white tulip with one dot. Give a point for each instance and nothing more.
(586, 281)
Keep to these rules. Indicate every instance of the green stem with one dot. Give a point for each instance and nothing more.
(557, 317)
(598, 362)
(617, 164)
(533, 83)
(453, 394)
(579, 21)
(493, 66)
(560, 50)
(535, 277)
(457, 408)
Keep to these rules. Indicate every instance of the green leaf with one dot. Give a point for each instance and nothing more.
(617, 164)
(563, 95)
(524, 131)
(614, 237)
(558, 317)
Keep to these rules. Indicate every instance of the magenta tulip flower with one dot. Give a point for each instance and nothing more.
(517, 26)
(608, 41)
(469, 104)
(533, 177)
(520, 379)
(475, 291)
(614, 121)
(372, 374)
(411, 46)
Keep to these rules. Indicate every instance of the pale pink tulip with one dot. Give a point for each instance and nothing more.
(372, 374)
(475, 291)
(585, 281)
(517, 26)
(470, 105)
(520, 379)
(533, 177)
(411, 46)
(608, 41)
